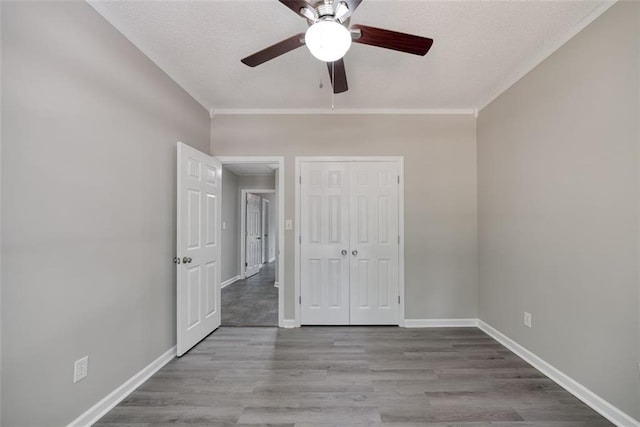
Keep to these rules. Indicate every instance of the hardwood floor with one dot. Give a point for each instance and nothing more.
(351, 376)
(252, 301)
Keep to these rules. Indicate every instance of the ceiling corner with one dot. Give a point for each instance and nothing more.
(550, 49)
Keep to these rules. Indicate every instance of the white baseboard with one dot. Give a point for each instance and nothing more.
(229, 282)
(440, 323)
(98, 410)
(594, 401)
(288, 323)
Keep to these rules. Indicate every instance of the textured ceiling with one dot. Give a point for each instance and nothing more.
(480, 48)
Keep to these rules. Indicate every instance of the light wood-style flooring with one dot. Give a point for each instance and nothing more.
(351, 376)
(252, 301)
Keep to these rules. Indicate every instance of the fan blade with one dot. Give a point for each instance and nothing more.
(274, 51)
(339, 81)
(393, 40)
(296, 5)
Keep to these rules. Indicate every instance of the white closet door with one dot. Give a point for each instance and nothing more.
(253, 238)
(374, 252)
(324, 270)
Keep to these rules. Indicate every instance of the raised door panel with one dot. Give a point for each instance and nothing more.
(198, 223)
(324, 234)
(374, 243)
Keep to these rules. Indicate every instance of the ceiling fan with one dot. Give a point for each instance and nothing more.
(330, 34)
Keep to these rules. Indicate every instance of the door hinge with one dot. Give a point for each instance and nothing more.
(300, 239)
(246, 264)
(300, 300)
(398, 299)
(300, 179)
(398, 179)
(398, 239)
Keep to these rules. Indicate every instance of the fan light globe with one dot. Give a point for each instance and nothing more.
(328, 40)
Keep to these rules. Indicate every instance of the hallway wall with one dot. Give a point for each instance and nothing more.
(231, 225)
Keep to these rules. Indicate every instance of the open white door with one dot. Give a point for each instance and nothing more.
(198, 246)
(253, 247)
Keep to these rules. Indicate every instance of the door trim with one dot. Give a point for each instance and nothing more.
(298, 162)
(280, 191)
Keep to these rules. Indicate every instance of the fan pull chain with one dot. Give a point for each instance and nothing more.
(333, 77)
(321, 74)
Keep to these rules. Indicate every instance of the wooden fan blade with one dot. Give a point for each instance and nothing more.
(339, 81)
(296, 5)
(274, 51)
(393, 40)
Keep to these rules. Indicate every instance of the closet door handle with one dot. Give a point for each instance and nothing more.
(354, 252)
(344, 252)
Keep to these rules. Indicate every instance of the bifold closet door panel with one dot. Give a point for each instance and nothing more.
(374, 213)
(324, 249)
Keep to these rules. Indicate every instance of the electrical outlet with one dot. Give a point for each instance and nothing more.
(527, 319)
(80, 369)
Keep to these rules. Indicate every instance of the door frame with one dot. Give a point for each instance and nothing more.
(243, 224)
(297, 200)
(280, 192)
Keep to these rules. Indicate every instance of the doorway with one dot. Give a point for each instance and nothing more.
(253, 228)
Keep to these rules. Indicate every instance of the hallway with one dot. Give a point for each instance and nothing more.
(252, 301)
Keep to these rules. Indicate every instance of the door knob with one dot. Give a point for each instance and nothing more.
(354, 252)
(344, 252)
(176, 260)
(186, 260)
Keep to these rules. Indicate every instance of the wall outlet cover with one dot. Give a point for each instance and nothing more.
(80, 369)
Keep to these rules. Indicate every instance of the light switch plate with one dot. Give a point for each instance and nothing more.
(527, 319)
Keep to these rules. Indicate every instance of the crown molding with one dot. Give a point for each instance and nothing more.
(341, 111)
(548, 51)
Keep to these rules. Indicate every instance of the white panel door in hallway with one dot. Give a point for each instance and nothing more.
(198, 246)
(349, 242)
(253, 244)
(324, 269)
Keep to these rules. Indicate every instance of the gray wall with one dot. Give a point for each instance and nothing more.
(558, 208)
(440, 190)
(231, 217)
(88, 208)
